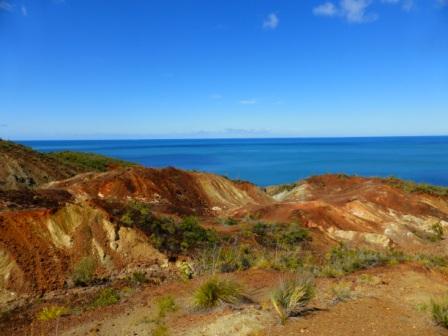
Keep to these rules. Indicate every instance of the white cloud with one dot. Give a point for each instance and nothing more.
(354, 11)
(248, 102)
(271, 22)
(24, 10)
(326, 9)
(5, 5)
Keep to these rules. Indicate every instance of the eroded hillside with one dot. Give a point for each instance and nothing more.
(104, 247)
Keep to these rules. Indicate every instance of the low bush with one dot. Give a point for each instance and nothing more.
(229, 221)
(166, 234)
(341, 260)
(137, 278)
(284, 236)
(215, 291)
(291, 297)
(89, 161)
(106, 297)
(412, 187)
(431, 261)
(84, 271)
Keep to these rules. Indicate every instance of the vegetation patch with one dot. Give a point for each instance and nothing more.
(439, 311)
(84, 271)
(106, 297)
(89, 161)
(341, 292)
(167, 235)
(165, 305)
(342, 260)
(291, 297)
(280, 235)
(412, 187)
(215, 291)
(51, 313)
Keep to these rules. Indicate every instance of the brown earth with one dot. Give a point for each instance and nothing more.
(21, 167)
(383, 301)
(46, 231)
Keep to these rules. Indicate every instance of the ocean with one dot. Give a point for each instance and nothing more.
(275, 161)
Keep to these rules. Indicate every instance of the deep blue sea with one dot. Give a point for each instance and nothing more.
(275, 161)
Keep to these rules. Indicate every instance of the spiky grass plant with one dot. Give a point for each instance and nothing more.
(52, 313)
(439, 311)
(291, 297)
(217, 290)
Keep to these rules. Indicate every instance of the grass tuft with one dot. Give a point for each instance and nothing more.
(215, 291)
(291, 297)
(439, 311)
(165, 304)
(51, 313)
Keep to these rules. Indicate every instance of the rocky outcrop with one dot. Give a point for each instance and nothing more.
(39, 247)
(361, 211)
(168, 190)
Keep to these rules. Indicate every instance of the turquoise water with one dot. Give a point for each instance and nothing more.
(274, 161)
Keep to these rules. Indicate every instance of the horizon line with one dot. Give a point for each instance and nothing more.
(236, 138)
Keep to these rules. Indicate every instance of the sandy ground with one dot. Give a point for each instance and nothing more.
(383, 301)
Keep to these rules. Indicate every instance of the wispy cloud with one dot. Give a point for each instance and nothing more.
(354, 11)
(271, 22)
(216, 96)
(406, 5)
(442, 2)
(6, 5)
(248, 102)
(24, 10)
(326, 9)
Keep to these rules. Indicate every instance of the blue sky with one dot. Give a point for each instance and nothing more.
(79, 69)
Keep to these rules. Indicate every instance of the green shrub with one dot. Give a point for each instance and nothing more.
(412, 187)
(279, 235)
(215, 291)
(293, 236)
(438, 231)
(431, 261)
(84, 271)
(165, 233)
(229, 221)
(341, 260)
(106, 297)
(291, 297)
(165, 305)
(138, 278)
(89, 161)
(439, 311)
